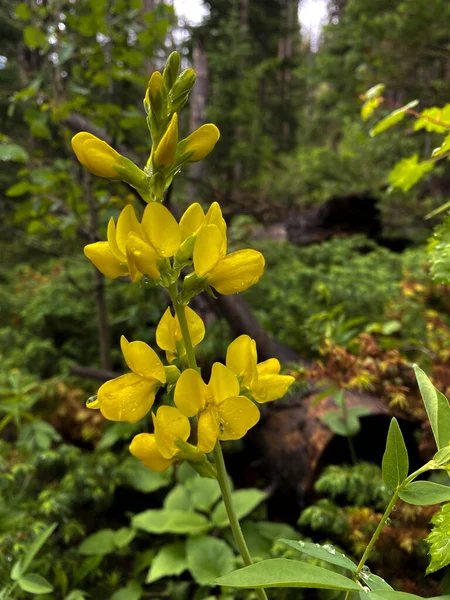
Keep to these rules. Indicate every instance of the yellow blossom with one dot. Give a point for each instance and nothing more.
(131, 396)
(169, 337)
(159, 450)
(228, 274)
(96, 155)
(222, 413)
(194, 218)
(201, 142)
(261, 381)
(165, 152)
(136, 249)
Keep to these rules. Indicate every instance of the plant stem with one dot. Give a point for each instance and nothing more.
(386, 514)
(222, 478)
(222, 475)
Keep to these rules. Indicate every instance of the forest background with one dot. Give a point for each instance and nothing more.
(347, 297)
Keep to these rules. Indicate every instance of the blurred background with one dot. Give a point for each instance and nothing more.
(347, 302)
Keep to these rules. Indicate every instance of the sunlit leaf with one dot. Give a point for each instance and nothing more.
(408, 172)
(394, 117)
(395, 463)
(439, 540)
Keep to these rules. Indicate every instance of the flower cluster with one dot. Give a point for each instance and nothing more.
(159, 248)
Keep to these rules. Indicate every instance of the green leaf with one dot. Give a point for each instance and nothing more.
(101, 542)
(375, 91)
(170, 560)
(424, 493)
(132, 591)
(209, 558)
(439, 540)
(18, 189)
(283, 572)
(326, 553)
(442, 456)
(171, 521)
(23, 12)
(382, 594)
(40, 130)
(428, 117)
(35, 584)
(408, 172)
(395, 463)
(443, 148)
(244, 502)
(368, 107)
(341, 426)
(394, 117)
(36, 546)
(32, 37)
(437, 407)
(376, 583)
(123, 536)
(13, 152)
(203, 492)
(178, 499)
(137, 476)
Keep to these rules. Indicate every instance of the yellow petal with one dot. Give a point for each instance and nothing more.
(214, 217)
(190, 393)
(141, 258)
(237, 271)
(202, 141)
(191, 220)
(126, 223)
(223, 383)
(195, 325)
(127, 398)
(208, 430)
(271, 387)
(96, 155)
(142, 360)
(111, 236)
(101, 256)
(170, 425)
(208, 250)
(165, 334)
(144, 447)
(237, 416)
(269, 367)
(241, 359)
(161, 229)
(167, 148)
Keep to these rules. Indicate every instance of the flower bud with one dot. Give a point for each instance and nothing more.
(201, 142)
(167, 147)
(171, 70)
(181, 89)
(154, 94)
(96, 155)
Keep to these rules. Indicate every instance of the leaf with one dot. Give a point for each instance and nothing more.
(33, 38)
(13, 152)
(18, 189)
(203, 492)
(170, 560)
(443, 148)
(338, 425)
(424, 493)
(35, 547)
(368, 107)
(209, 558)
(428, 117)
(35, 584)
(137, 476)
(382, 594)
(394, 117)
(408, 172)
(375, 91)
(23, 11)
(102, 542)
(178, 499)
(395, 463)
(439, 540)
(442, 456)
(124, 536)
(376, 583)
(132, 591)
(171, 521)
(437, 407)
(325, 553)
(283, 572)
(244, 502)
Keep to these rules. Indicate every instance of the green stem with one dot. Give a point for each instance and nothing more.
(222, 478)
(222, 475)
(386, 515)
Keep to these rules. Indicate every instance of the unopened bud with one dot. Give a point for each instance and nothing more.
(154, 94)
(200, 143)
(181, 88)
(171, 70)
(167, 147)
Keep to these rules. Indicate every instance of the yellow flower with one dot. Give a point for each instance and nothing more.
(228, 274)
(201, 141)
(168, 333)
(167, 147)
(136, 249)
(96, 155)
(261, 381)
(222, 413)
(159, 450)
(194, 218)
(130, 397)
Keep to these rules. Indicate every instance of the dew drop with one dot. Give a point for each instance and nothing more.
(388, 522)
(330, 549)
(301, 543)
(394, 507)
(366, 589)
(365, 572)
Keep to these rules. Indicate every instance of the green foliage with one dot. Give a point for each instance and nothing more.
(439, 540)
(408, 172)
(440, 252)
(395, 464)
(424, 493)
(437, 407)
